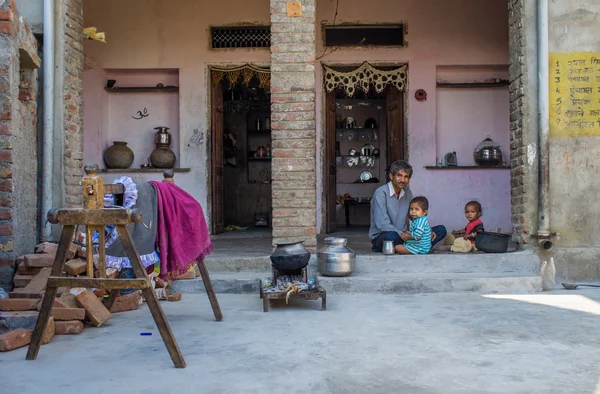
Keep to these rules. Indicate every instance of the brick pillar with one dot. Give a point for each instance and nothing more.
(73, 103)
(294, 172)
(523, 119)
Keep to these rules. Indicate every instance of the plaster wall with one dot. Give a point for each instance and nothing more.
(33, 13)
(440, 33)
(147, 34)
(574, 160)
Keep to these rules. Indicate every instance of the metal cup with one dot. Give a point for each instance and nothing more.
(388, 247)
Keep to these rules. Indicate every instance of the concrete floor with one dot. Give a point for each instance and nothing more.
(257, 242)
(439, 343)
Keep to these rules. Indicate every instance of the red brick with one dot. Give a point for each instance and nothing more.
(25, 95)
(127, 302)
(14, 339)
(7, 28)
(47, 247)
(4, 126)
(69, 300)
(6, 16)
(48, 333)
(6, 186)
(66, 314)
(95, 311)
(57, 304)
(24, 270)
(67, 327)
(3, 67)
(5, 214)
(39, 260)
(16, 304)
(72, 252)
(6, 201)
(76, 267)
(39, 281)
(7, 261)
(6, 230)
(6, 155)
(25, 293)
(100, 292)
(21, 280)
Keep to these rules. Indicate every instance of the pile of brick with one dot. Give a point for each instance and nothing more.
(71, 308)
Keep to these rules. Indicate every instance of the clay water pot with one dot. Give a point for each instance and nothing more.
(162, 157)
(118, 155)
(290, 256)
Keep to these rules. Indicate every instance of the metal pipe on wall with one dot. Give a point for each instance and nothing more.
(48, 137)
(544, 127)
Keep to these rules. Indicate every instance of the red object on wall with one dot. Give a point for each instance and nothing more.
(421, 95)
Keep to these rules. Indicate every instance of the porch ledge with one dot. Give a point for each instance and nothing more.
(137, 170)
(467, 168)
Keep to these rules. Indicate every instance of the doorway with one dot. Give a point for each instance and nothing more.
(240, 150)
(364, 134)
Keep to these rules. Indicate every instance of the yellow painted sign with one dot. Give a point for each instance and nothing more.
(294, 8)
(574, 94)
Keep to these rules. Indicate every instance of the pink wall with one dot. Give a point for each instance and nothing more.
(151, 34)
(440, 33)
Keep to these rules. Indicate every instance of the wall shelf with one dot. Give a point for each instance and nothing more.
(138, 170)
(467, 168)
(141, 89)
(252, 158)
(474, 85)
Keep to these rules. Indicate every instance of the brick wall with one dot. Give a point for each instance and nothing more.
(18, 155)
(293, 124)
(523, 118)
(73, 102)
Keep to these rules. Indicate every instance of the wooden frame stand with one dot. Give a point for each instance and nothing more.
(94, 216)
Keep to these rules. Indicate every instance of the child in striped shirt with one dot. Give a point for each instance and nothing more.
(417, 240)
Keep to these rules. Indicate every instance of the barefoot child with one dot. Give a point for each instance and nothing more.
(417, 240)
(466, 243)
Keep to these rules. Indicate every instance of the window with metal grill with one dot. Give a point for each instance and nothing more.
(364, 35)
(241, 37)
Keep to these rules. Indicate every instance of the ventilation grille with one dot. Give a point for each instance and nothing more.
(364, 35)
(241, 37)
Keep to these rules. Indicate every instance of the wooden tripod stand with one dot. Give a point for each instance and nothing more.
(94, 216)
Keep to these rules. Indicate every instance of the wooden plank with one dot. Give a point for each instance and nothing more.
(142, 89)
(212, 297)
(44, 316)
(157, 313)
(94, 217)
(467, 168)
(138, 170)
(100, 283)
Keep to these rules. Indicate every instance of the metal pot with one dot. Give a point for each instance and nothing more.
(290, 256)
(488, 153)
(335, 258)
(162, 136)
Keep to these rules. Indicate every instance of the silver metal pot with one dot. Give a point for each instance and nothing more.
(388, 247)
(335, 258)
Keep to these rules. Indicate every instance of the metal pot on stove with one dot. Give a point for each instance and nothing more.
(335, 258)
(488, 153)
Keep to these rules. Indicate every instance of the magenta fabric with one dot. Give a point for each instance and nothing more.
(182, 235)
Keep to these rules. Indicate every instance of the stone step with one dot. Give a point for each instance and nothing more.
(522, 261)
(408, 283)
(434, 283)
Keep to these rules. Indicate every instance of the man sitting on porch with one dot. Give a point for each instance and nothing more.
(389, 208)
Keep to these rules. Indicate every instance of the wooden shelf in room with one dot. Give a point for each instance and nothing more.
(467, 168)
(142, 89)
(138, 170)
(473, 85)
(251, 158)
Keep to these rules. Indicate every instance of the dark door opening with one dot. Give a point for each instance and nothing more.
(241, 155)
(364, 135)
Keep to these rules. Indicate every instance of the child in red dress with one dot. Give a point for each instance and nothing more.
(466, 243)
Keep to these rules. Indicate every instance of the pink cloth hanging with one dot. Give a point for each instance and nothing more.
(182, 235)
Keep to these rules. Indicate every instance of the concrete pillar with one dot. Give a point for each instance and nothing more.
(293, 125)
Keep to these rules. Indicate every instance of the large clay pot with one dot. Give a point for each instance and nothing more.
(162, 157)
(118, 155)
(290, 256)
